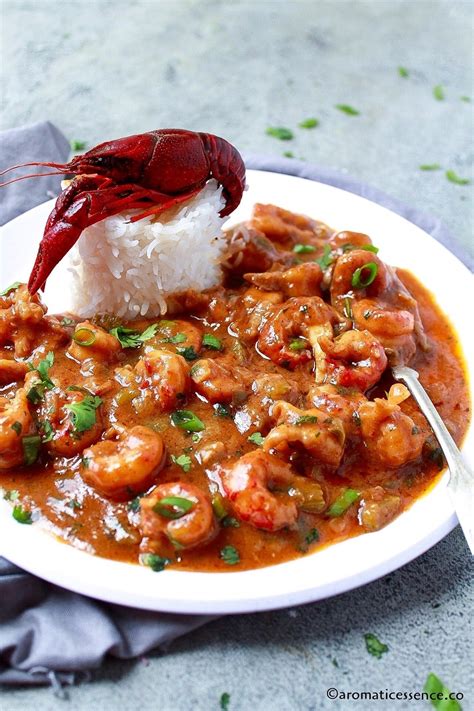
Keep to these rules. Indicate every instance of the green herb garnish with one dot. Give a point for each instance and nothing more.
(343, 502)
(347, 307)
(66, 321)
(210, 341)
(284, 134)
(83, 413)
(309, 123)
(173, 507)
(188, 353)
(303, 248)
(441, 701)
(348, 247)
(359, 281)
(230, 522)
(306, 420)
(78, 145)
(22, 515)
(374, 646)
(84, 337)
(438, 92)
(129, 338)
(222, 410)
(256, 438)
(403, 72)
(187, 420)
(182, 461)
(17, 427)
(156, 562)
(454, 178)
(466, 99)
(48, 431)
(219, 506)
(36, 393)
(298, 344)
(134, 505)
(178, 338)
(230, 555)
(224, 701)
(326, 258)
(311, 537)
(11, 495)
(346, 109)
(430, 166)
(12, 287)
(31, 447)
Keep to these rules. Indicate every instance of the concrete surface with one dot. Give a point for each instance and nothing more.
(104, 69)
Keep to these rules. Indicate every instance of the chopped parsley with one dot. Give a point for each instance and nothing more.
(343, 502)
(156, 562)
(298, 344)
(129, 338)
(12, 287)
(66, 321)
(22, 515)
(182, 461)
(188, 353)
(454, 178)
(222, 410)
(83, 413)
(438, 92)
(326, 259)
(346, 109)
(224, 701)
(311, 537)
(403, 72)
(309, 123)
(441, 701)
(306, 420)
(17, 427)
(173, 507)
(36, 393)
(178, 338)
(230, 555)
(280, 132)
(187, 420)
(210, 341)
(303, 248)
(230, 522)
(78, 145)
(11, 495)
(374, 646)
(31, 447)
(134, 505)
(256, 438)
(430, 166)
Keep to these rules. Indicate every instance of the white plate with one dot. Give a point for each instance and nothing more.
(330, 571)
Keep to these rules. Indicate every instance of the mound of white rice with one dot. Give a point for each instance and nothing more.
(128, 269)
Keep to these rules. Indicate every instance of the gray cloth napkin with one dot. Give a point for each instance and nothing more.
(50, 635)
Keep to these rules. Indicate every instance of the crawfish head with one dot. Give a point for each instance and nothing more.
(153, 171)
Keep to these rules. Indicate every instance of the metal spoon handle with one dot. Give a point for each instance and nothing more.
(461, 479)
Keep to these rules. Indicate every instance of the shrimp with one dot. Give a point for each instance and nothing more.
(345, 268)
(12, 371)
(281, 338)
(217, 383)
(321, 436)
(390, 437)
(21, 316)
(15, 423)
(355, 359)
(266, 389)
(248, 484)
(251, 312)
(393, 327)
(163, 378)
(345, 241)
(302, 280)
(282, 226)
(249, 249)
(91, 341)
(180, 513)
(60, 418)
(378, 508)
(122, 468)
(344, 407)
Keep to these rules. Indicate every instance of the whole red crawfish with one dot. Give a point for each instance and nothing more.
(149, 171)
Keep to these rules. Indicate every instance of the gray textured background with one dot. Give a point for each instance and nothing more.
(104, 69)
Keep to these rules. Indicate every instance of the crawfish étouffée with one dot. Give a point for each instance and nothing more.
(257, 422)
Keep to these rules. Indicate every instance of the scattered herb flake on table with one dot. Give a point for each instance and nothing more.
(11, 495)
(280, 132)
(438, 92)
(466, 99)
(374, 646)
(403, 72)
(347, 109)
(434, 685)
(78, 145)
(224, 701)
(430, 166)
(309, 123)
(289, 154)
(454, 178)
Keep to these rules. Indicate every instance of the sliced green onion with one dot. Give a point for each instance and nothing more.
(347, 308)
(430, 166)
(453, 177)
(438, 92)
(361, 282)
(173, 506)
(12, 287)
(441, 697)
(210, 341)
(343, 502)
(309, 123)
(284, 134)
(326, 259)
(346, 109)
(31, 447)
(306, 420)
(303, 248)
(374, 646)
(86, 340)
(219, 507)
(22, 515)
(187, 420)
(230, 555)
(366, 247)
